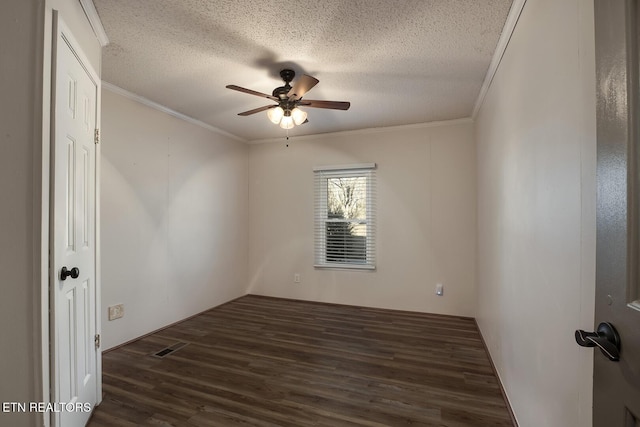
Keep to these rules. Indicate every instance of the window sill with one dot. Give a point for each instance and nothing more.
(345, 267)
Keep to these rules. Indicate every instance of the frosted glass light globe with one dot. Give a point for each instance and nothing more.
(299, 116)
(275, 114)
(286, 122)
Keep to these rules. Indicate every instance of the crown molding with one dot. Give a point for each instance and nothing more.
(142, 100)
(503, 43)
(95, 22)
(368, 131)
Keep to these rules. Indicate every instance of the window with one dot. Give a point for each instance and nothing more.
(345, 216)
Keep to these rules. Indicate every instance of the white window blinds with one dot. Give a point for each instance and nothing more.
(345, 213)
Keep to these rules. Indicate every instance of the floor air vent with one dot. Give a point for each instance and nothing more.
(171, 349)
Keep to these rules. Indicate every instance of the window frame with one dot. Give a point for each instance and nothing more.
(322, 174)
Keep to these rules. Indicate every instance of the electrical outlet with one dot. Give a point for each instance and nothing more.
(116, 311)
(296, 278)
(439, 289)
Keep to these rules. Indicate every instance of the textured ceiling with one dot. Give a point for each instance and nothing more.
(397, 62)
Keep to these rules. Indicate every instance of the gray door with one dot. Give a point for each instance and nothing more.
(616, 388)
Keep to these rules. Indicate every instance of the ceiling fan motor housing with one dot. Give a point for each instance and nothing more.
(282, 91)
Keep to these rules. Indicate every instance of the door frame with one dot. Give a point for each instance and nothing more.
(54, 28)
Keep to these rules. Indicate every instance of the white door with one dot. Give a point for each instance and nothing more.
(74, 352)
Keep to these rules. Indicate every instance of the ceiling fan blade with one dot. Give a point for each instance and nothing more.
(257, 110)
(302, 86)
(251, 92)
(333, 105)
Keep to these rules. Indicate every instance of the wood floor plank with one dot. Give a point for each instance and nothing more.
(260, 361)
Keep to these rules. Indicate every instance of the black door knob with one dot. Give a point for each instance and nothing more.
(74, 273)
(606, 338)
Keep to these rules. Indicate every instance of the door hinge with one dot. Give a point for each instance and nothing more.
(96, 136)
(96, 339)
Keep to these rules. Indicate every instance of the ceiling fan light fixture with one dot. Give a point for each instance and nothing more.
(287, 122)
(299, 116)
(275, 114)
(286, 113)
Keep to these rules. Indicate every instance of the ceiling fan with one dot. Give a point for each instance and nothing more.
(288, 98)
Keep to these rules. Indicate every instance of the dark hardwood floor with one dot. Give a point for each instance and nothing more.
(260, 361)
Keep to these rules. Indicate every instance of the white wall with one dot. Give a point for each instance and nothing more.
(426, 218)
(535, 138)
(174, 218)
(21, 25)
